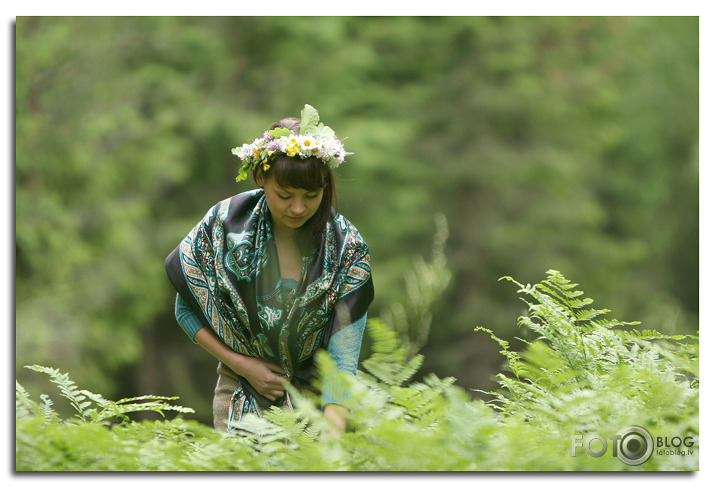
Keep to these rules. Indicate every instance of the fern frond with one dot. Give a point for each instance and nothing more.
(578, 351)
(590, 314)
(22, 399)
(47, 410)
(655, 335)
(513, 359)
(425, 402)
(266, 437)
(388, 362)
(295, 427)
(67, 388)
(86, 402)
(424, 283)
(26, 406)
(146, 398)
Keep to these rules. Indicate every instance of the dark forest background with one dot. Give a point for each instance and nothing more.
(566, 143)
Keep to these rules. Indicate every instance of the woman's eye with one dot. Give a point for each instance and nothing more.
(283, 197)
(311, 196)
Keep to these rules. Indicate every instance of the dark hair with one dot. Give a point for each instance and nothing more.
(310, 174)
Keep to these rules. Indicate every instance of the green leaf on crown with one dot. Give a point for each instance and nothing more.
(310, 124)
(280, 132)
(308, 118)
(243, 173)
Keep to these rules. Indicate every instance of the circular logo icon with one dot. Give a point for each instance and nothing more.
(635, 445)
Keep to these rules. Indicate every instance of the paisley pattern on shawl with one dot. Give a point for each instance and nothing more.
(227, 268)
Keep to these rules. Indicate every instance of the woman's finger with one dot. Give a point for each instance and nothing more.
(275, 379)
(276, 369)
(274, 394)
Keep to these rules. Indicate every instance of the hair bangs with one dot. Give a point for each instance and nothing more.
(292, 172)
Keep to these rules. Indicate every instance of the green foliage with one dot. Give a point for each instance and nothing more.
(387, 362)
(582, 353)
(578, 376)
(582, 374)
(424, 284)
(91, 407)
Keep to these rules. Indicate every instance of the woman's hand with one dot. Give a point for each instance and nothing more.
(337, 416)
(264, 376)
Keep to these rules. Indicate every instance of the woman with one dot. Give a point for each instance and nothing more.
(270, 276)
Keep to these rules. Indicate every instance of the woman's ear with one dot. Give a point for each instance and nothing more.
(260, 180)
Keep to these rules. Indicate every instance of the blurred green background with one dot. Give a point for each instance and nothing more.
(548, 142)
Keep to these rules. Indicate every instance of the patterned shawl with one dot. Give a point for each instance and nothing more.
(227, 268)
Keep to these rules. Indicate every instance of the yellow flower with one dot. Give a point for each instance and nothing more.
(307, 142)
(291, 150)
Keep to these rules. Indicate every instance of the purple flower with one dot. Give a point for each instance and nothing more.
(275, 145)
(267, 137)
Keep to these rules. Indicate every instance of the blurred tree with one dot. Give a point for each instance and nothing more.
(110, 115)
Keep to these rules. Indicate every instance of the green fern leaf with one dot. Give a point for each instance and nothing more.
(388, 361)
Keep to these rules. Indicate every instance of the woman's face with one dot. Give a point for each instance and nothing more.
(290, 207)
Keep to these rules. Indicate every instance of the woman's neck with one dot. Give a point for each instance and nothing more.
(283, 234)
(289, 257)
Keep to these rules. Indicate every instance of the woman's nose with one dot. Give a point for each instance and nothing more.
(297, 207)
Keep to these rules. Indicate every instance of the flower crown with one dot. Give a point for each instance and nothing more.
(314, 140)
